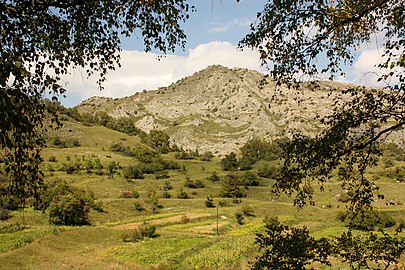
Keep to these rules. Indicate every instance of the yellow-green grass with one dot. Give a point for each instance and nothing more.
(187, 228)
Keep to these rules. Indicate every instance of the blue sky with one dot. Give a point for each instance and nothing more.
(213, 33)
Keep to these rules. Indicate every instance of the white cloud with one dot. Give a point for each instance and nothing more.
(366, 70)
(232, 24)
(141, 70)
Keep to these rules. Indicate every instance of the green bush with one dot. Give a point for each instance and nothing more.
(193, 184)
(213, 177)
(183, 195)
(132, 172)
(229, 162)
(69, 209)
(248, 211)
(239, 218)
(5, 214)
(250, 179)
(209, 203)
(231, 188)
(268, 170)
(366, 219)
(161, 175)
(145, 230)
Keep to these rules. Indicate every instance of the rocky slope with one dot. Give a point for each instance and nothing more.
(218, 109)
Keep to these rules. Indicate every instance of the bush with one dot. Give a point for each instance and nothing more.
(268, 170)
(56, 188)
(193, 184)
(167, 186)
(145, 230)
(161, 175)
(366, 219)
(213, 177)
(166, 194)
(239, 218)
(209, 203)
(52, 159)
(229, 162)
(250, 179)
(130, 194)
(248, 211)
(152, 167)
(138, 207)
(183, 195)
(11, 228)
(207, 156)
(120, 148)
(69, 209)
(5, 214)
(231, 188)
(132, 172)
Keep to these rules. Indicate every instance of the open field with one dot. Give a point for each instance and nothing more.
(191, 236)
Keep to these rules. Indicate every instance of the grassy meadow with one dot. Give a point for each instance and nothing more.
(190, 235)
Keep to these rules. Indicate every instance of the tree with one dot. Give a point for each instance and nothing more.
(41, 41)
(229, 162)
(291, 36)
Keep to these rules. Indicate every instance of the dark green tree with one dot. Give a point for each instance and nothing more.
(291, 36)
(230, 162)
(159, 140)
(41, 41)
(287, 248)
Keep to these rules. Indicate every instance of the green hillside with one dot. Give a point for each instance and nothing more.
(189, 234)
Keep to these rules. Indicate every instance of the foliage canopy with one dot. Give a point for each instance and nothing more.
(41, 41)
(291, 37)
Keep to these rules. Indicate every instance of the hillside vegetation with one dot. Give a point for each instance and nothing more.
(194, 196)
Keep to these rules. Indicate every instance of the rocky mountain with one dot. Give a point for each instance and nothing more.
(218, 109)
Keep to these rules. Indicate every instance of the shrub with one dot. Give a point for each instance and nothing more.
(268, 170)
(209, 203)
(145, 230)
(185, 219)
(207, 156)
(5, 214)
(132, 172)
(167, 186)
(52, 159)
(130, 194)
(69, 209)
(213, 177)
(250, 179)
(248, 211)
(166, 194)
(138, 207)
(231, 188)
(183, 195)
(239, 218)
(56, 188)
(161, 175)
(366, 219)
(223, 203)
(11, 228)
(229, 162)
(120, 148)
(152, 167)
(193, 184)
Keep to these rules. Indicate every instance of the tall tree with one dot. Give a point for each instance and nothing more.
(42, 40)
(291, 37)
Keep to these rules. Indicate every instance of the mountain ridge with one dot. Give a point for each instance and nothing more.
(218, 109)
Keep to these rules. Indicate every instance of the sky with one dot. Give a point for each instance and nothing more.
(213, 32)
